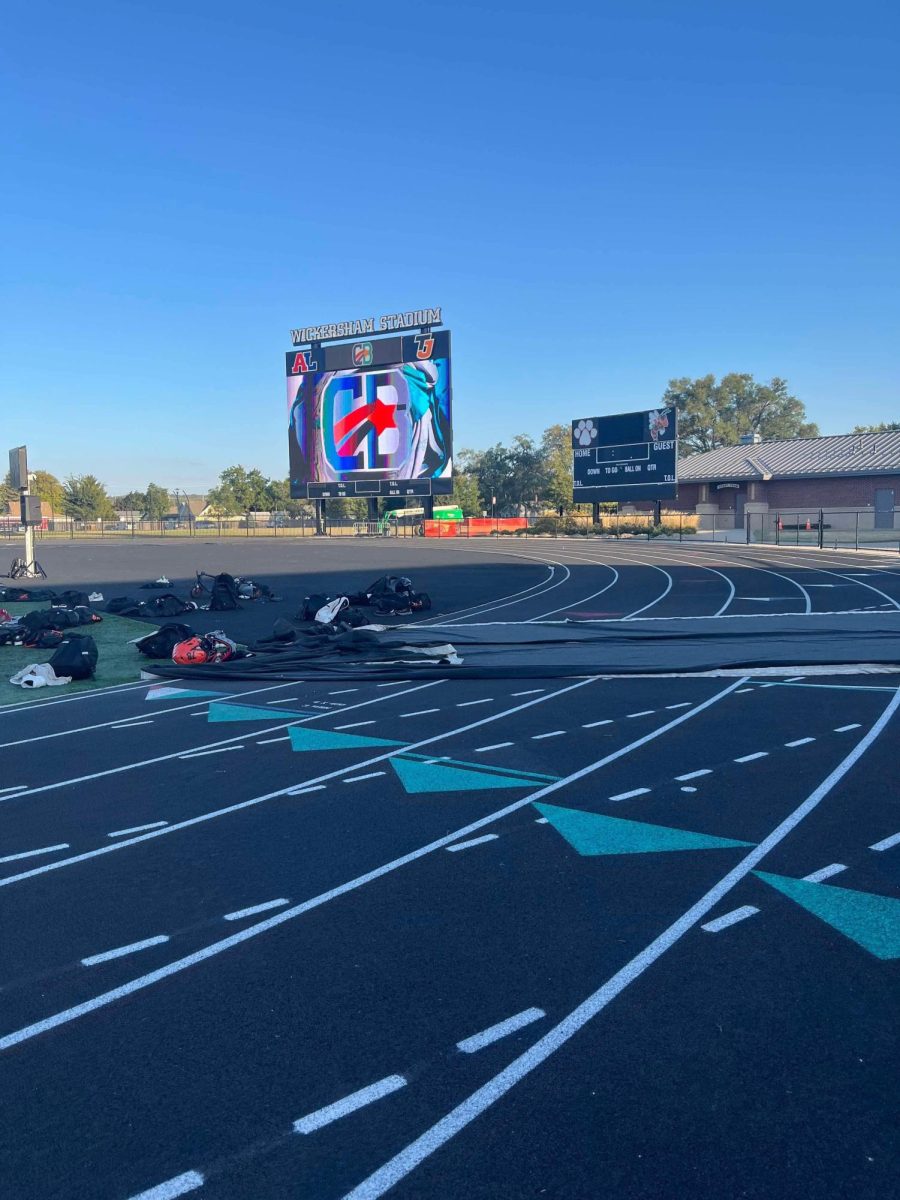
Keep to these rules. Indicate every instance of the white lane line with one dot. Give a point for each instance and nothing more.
(644, 608)
(583, 599)
(847, 728)
(502, 1029)
(795, 679)
(19, 787)
(288, 700)
(342, 1108)
(120, 951)
(536, 737)
(179, 1186)
(360, 778)
(355, 725)
(130, 724)
(272, 741)
(687, 703)
(750, 757)
(442, 1131)
(393, 683)
(887, 843)
(495, 746)
(741, 690)
(688, 788)
(175, 967)
(800, 742)
(32, 853)
(544, 821)
(646, 713)
(628, 795)
(731, 918)
(596, 724)
(137, 829)
(693, 774)
(343, 692)
(203, 753)
(532, 692)
(469, 703)
(487, 837)
(825, 873)
(303, 789)
(422, 712)
(257, 908)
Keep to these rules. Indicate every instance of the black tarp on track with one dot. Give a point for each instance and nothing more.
(548, 651)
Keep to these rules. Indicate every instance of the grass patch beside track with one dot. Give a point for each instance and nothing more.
(118, 662)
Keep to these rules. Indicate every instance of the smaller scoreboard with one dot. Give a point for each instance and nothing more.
(627, 457)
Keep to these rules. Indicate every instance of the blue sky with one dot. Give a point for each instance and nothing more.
(600, 195)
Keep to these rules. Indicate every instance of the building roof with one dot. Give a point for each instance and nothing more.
(797, 458)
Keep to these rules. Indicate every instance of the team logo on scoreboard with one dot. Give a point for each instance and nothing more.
(424, 345)
(585, 432)
(363, 354)
(658, 422)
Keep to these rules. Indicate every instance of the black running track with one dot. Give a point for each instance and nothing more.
(630, 938)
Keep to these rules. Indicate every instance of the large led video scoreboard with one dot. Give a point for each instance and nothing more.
(371, 417)
(627, 457)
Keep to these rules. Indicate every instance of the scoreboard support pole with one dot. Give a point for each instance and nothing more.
(595, 512)
(428, 506)
(319, 506)
(373, 508)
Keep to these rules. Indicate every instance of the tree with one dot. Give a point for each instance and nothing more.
(133, 502)
(85, 499)
(529, 475)
(556, 448)
(49, 489)
(240, 491)
(883, 427)
(712, 414)
(7, 491)
(465, 494)
(157, 502)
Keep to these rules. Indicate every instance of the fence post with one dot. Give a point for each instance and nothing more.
(681, 527)
(747, 539)
(821, 528)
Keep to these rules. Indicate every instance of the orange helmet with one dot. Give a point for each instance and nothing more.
(190, 652)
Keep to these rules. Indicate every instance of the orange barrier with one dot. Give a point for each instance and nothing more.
(473, 527)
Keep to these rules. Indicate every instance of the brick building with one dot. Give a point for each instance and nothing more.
(840, 475)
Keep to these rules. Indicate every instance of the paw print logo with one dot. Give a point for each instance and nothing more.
(585, 432)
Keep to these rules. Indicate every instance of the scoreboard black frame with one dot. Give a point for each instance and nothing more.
(626, 457)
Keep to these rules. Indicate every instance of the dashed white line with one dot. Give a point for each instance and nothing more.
(343, 692)
(422, 712)
(536, 737)
(495, 746)
(271, 741)
(501, 1030)
(19, 787)
(544, 821)
(257, 908)
(355, 725)
(595, 724)
(393, 683)
(179, 1186)
(887, 843)
(487, 837)
(740, 691)
(137, 829)
(120, 951)
(687, 703)
(203, 753)
(731, 918)
(687, 788)
(31, 853)
(825, 873)
(469, 703)
(303, 789)
(628, 795)
(750, 757)
(847, 728)
(287, 700)
(360, 778)
(646, 713)
(800, 742)
(130, 724)
(532, 692)
(342, 1108)
(693, 774)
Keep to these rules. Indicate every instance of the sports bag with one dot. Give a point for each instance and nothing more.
(76, 656)
(125, 606)
(224, 596)
(85, 615)
(311, 606)
(168, 605)
(329, 612)
(72, 599)
(44, 639)
(161, 643)
(210, 648)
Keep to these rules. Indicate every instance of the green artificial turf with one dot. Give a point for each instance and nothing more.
(118, 661)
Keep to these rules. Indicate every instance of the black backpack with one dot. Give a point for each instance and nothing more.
(73, 599)
(311, 605)
(167, 605)
(76, 656)
(125, 606)
(224, 594)
(161, 643)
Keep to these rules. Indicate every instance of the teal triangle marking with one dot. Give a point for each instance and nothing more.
(182, 694)
(248, 712)
(419, 777)
(871, 921)
(304, 738)
(593, 833)
(487, 768)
